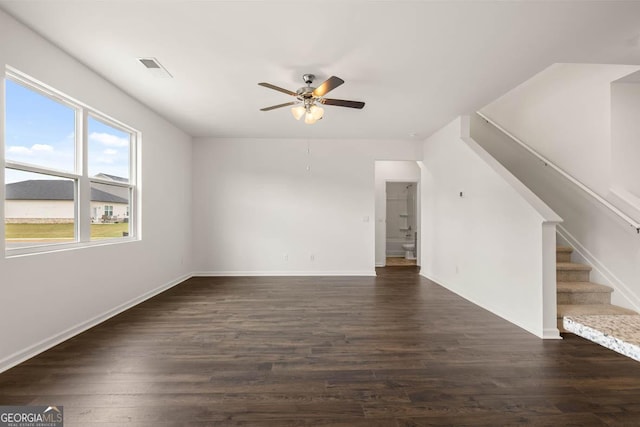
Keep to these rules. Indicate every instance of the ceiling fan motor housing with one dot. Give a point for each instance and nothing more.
(305, 92)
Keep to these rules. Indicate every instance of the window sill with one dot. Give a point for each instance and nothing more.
(63, 247)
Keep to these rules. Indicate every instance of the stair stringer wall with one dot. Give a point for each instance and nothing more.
(485, 236)
(600, 237)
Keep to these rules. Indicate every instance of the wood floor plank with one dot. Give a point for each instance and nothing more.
(391, 350)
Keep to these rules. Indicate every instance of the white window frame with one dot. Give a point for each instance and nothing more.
(82, 193)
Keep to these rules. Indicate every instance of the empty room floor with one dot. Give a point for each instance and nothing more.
(391, 350)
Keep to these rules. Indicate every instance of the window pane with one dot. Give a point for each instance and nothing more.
(38, 130)
(109, 211)
(109, 151)
(39, 209)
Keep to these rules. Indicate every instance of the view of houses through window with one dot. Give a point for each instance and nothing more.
(62, 184)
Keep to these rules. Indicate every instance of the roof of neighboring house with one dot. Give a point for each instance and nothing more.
(98, 195)
(112, 177)
(57, 189)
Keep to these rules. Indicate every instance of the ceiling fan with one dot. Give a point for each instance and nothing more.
(307, 97)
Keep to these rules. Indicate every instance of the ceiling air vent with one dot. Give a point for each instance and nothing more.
(155, 67)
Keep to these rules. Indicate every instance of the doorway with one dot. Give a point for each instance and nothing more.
(401, 224)
(397, 213)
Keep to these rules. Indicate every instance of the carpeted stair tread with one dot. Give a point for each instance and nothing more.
(572, 266)
(575, 287)
(581, 309)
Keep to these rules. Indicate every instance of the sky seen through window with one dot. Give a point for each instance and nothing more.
(41, 132)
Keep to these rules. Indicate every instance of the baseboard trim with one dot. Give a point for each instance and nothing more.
(35, 349)
(551, 334)
(611, 279)
(382, 264)
(281, 273)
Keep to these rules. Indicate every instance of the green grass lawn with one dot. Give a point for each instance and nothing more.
(102, 231)
(61, 231)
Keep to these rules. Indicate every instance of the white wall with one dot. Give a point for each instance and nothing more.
(488, 245)
(266, 206)
(49, 297)
(389, 171)
(602, 239)
(564, 113)
(625, 138)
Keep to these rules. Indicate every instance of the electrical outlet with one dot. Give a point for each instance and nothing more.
(312, 257)
(286, 257)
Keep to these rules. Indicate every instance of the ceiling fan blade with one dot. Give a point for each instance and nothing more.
(279, 89)
(330, 84)
(343, 103)
(273, 107)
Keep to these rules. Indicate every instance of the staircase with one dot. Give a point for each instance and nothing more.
(576, 295)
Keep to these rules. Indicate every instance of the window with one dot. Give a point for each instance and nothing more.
(69, 171)
(109, 166)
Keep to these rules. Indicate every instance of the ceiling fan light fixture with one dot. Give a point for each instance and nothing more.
(298, 111)
(316, 112)
(308, 119)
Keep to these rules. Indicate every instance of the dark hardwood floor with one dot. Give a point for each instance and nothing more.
(394, 350)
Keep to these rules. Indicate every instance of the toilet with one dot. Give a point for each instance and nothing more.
(408, 250)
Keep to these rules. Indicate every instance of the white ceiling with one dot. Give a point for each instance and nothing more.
(416, 64)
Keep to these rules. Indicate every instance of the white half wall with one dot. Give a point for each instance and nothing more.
(564, 113)
(484, 235)
(393, 171)
(49, 297)
(287, 207)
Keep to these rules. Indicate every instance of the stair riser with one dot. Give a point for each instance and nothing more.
(584, 298)
(572, 276)
(563, 257)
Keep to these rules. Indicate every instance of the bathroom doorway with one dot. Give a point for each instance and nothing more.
(397, 189)
(401, 223)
